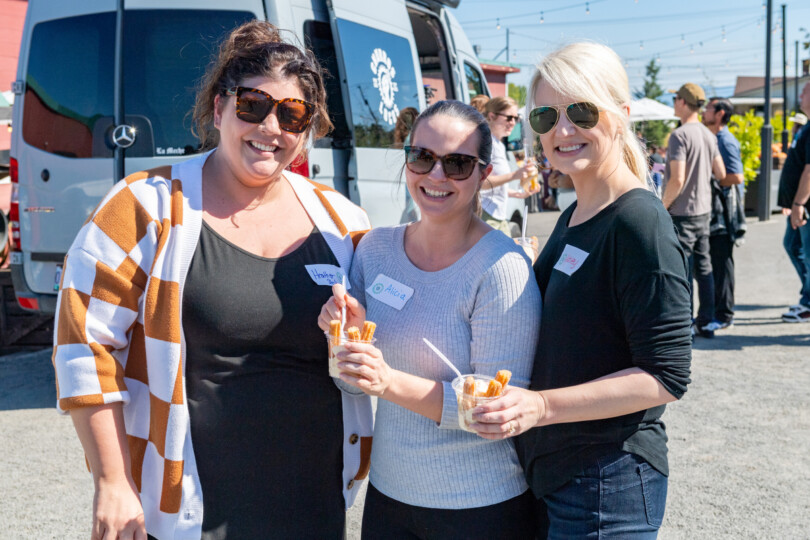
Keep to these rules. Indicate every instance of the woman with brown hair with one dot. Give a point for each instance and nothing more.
(187, 349)
(502, 115)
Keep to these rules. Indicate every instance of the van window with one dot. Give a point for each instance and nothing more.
(475, 81)
(318, 39)
(380, 79)
(166, 54)
(69, 85)
(434, 62)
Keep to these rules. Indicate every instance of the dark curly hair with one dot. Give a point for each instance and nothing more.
(257, 49)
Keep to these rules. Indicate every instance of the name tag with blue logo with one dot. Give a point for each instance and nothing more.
(326, 274)
(389, 291)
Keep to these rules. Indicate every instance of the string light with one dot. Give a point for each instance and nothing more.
(724, 34)
(542, 19)
(587, 8)
(498, 24)
(683, 39)
(641, 45)
(691, 49)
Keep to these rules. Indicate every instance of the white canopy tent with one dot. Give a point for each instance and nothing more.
(645, 109)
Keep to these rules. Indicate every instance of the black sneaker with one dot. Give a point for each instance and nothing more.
(704, 332)
(797, 314)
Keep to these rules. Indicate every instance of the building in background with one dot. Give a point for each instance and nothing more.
(495, 73)
(12, 17)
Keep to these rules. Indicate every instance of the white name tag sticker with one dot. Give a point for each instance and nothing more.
(571, 259)
(327, 274)
(389, 291)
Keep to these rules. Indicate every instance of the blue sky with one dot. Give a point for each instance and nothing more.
(706, 42)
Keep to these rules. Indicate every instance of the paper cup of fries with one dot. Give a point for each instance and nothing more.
(336, 339)
(475, 389)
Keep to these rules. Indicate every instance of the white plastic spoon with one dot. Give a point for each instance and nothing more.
(443, 357)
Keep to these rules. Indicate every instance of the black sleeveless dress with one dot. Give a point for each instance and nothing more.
(266, 418)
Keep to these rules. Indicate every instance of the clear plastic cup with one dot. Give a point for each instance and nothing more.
(467, 403)
(528, 246)
(335, 346)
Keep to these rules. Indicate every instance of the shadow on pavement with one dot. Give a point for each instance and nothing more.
(731, 342)
(755, 307)
(27, 381)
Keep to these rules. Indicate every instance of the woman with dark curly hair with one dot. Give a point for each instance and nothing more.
(187, 348)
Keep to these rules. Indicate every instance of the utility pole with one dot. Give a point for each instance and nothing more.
(796, 80)
(784, 84)
(766, 161)
(507, 45)
(506, 49)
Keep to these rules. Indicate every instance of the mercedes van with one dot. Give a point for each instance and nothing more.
(104, 88)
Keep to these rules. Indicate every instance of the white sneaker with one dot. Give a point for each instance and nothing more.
(799, 315)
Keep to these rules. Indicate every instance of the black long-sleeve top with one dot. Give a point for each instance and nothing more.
(615, 296)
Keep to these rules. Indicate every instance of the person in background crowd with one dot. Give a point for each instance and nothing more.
(728, 217)
(402, 133)
(794, 198)
(692, 156)
(187, 348)
(593, 445)
(466, 288)
(502, 115)
(479, 102)
(655, 155)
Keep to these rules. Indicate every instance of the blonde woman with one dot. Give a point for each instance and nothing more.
(502, 115)
(593, 445)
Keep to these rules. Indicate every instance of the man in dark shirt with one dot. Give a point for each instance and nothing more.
(727, 219)
(794, 197)
(692, 156)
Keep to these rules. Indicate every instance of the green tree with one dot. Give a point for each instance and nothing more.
(653, 131)
(747, 129)
(518, 93)
(651, 88)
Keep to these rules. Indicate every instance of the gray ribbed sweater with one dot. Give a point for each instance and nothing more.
(483, 312)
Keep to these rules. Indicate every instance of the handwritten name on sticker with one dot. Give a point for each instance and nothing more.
(571, 259)
(389, 291)
(326, 274)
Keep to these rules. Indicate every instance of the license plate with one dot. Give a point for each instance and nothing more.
(57, 277)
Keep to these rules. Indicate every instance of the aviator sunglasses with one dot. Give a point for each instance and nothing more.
(253, 106)
(455, 166)
(584, 115)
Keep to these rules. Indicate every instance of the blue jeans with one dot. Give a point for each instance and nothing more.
(619, 496)
(797, 245)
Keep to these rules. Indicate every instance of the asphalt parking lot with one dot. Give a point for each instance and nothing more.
(738, 440)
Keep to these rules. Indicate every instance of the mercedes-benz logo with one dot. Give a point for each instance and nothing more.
(124, 136)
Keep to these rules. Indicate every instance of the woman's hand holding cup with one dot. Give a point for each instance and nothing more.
(516, 412)
(362, 365)
(331, 310)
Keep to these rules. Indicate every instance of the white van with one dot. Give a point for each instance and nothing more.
(93, 104)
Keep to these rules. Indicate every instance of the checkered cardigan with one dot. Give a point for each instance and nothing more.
(119, 336)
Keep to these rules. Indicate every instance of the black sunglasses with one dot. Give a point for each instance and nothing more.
(584, 115)
(509, 117)
(455, 166)
(253, 106)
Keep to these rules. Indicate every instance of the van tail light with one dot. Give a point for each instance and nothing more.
(14, 208)
(28, 303)
(301, 168)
